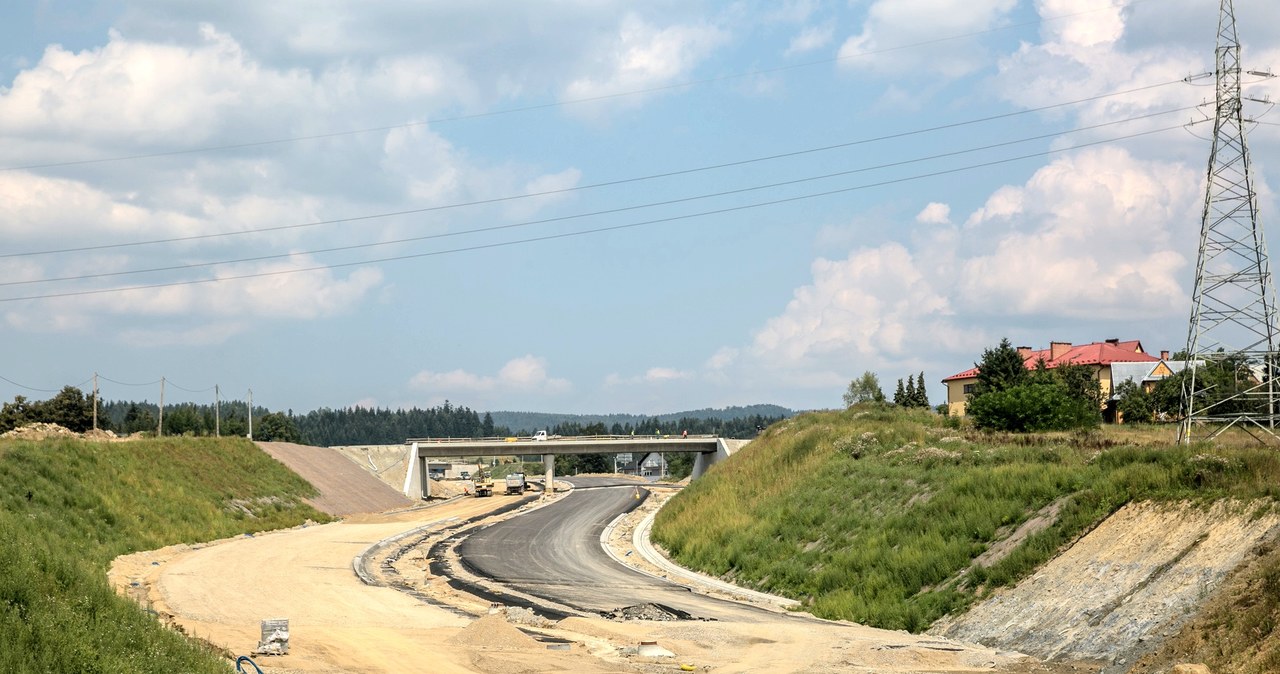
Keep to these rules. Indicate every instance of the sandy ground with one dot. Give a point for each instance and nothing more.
(221, 591)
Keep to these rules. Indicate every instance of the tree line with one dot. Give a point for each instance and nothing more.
(326, 427)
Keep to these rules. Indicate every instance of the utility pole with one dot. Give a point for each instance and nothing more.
(95, 401)
(1233, 304)
(217, 412)
(250, 414)
(160, 424)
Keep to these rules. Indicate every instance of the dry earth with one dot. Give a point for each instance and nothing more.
(221, 591)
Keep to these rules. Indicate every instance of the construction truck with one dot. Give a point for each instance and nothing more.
(483, 482)
(516, 483)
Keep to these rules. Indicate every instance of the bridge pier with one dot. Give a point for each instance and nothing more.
(549, 464)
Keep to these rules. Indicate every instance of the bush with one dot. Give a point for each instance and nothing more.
(1032, 407)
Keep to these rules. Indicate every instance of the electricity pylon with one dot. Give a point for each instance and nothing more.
(1233, 305)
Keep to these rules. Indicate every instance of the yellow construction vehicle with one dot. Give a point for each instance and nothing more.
(483, 482)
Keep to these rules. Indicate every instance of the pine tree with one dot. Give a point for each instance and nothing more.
(909, 396)
(922, 396)
(900, 394)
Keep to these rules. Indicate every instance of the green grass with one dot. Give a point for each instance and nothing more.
(92, 501)
(875, 515)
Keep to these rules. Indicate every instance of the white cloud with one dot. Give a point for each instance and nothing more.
(523, 375)
(131, 96)
(934, 214)
(811, 38)
(643, 56)
(892, 24)
(1095, 236)
(1088, 236)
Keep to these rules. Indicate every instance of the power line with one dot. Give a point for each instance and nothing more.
(203, 390)
(121, 383)
(29, 388)
(611, 183)
(610, 211)
(556, 104)
(565, 235)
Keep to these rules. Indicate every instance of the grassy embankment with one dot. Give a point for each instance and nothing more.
(876, 515)
(68, 507)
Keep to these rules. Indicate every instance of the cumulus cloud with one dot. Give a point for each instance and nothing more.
(643, 56)
(934, 214)
(892, 24)
(1090, 235)
(811, 38)
(654, 375)
(131, 96)
(1097, 235)
(522, 375)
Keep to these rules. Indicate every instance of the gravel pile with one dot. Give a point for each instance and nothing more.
(648, 612)
(493, 632)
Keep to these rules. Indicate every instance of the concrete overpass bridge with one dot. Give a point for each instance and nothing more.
(709, 450)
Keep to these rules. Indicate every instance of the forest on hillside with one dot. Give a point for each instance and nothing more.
(327, 427)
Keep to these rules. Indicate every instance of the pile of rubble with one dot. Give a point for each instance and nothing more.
(41, 431)
(648, 612)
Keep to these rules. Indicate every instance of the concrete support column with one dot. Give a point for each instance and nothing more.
(549, 462)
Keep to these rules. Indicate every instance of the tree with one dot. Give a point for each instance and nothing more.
(900, 394)
(1009, 398)
(15, 414)
(999, 369)
(276, 427)
(69, 409)
(864, 389)
(922, 396)
(1040, 405)
(909, 395)
(1135, 404)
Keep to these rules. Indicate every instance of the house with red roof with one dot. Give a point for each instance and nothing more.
(1107, 358)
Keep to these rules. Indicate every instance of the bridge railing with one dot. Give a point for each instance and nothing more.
(572, 438)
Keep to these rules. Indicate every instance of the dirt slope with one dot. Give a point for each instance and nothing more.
(345, 487)
(1121, 589)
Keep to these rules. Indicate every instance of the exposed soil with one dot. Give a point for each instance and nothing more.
(221, 591)
(345, 487)
(1123, 588)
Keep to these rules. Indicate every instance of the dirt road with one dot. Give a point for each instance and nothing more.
(220, 592)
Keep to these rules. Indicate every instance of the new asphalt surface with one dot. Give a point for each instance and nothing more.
(555, 553)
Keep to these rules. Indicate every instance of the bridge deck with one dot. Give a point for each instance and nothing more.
(450, 447)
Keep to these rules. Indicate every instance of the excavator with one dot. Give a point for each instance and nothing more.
(483, 482)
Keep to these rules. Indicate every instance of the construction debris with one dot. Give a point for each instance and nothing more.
(649, 612)
(275, 637)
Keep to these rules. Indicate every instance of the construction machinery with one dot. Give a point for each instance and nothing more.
(516, 483)
(483, 482)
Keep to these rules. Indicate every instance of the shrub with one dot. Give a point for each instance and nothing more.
(1031, 407)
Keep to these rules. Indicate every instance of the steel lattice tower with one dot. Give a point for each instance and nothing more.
(1233, 305)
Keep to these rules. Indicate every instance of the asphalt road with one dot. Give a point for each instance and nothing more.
(554, 553)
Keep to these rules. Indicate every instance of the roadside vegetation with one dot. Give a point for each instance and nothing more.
(877, 514)
(70, 506)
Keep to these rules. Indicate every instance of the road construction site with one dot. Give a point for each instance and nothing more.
(537, 583)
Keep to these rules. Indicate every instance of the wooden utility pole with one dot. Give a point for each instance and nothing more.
(250, 414)
(160, 423)
(217, 412)
(95, 401)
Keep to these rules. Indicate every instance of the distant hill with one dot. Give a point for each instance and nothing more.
(525, 422)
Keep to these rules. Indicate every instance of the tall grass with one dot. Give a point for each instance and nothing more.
(68, 507)
(876, 515)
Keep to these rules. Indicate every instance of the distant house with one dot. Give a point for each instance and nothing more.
(1112, 360)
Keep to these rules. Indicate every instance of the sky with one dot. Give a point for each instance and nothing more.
(596, 206)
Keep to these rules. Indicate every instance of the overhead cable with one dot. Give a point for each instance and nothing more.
(578, 188)
(598, 230)
(576, 216)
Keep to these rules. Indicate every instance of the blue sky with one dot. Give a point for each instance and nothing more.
(595, 206)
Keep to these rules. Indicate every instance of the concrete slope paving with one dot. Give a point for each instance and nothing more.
(345, 488)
